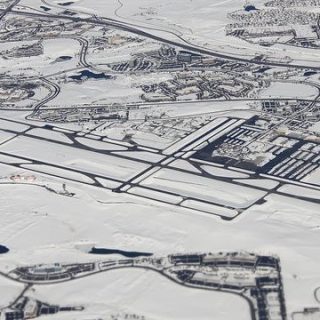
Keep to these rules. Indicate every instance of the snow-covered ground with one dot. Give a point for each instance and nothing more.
(45, 63)
(10, 290)
(185, 184)
(142, 292)
(74, 158)
(290, 91)
(49, 227)
(51, 206)
(200, 22)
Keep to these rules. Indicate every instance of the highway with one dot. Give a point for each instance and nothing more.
(181, 44)
(8, 9)
(55, 90)
(126, 185)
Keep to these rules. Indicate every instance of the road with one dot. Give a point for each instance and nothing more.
(54, 92)
(8, 9)
(130, 183)
(83, 51)
(22, 293)
(131, 266)
(55, 89)
(181, 44)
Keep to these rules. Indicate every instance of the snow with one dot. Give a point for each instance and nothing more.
(185, 165)
(97, 92)
(12, 126)
(41, 226)
(299, 191)
(274, 227)
(141, 155)
(11, 290)
(261, 183)
(150, 140)
(313, 177)
(268, 228)
(155, 195)
(143, 292)
(44, 63)
(316, 127)
(9, 159)
(289, 90)
(73, 158)
(50, 135)
(215, 134)
(220, 172)
(58, 172)
(5, 136)
(108, 183)
(214, 191)
(200, 22)
(177, 146)
(210, 208)
(98, 145)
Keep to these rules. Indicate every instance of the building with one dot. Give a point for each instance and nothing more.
(188, 57)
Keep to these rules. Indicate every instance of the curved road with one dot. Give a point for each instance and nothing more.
(54, 92)
(138, 30)
(30, 284)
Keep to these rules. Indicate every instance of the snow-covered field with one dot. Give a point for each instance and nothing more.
(128, 180)
(73, 158)
(200, 22)
(48, 228)
(46, 63)
(203, 188)
(290, 91)
(10, 290)
(142, 292)
(97, 92)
